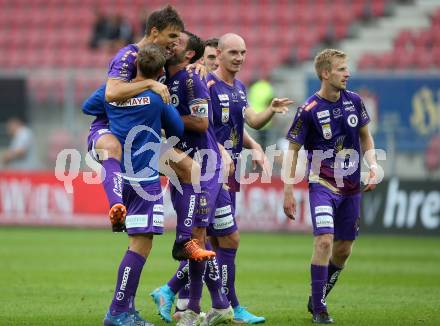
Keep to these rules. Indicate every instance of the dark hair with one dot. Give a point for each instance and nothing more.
(163, 18)
(195, 44)
(150, 60)
(212, 42)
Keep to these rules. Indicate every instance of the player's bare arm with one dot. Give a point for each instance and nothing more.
(288, 173)
(367, 146)
(258, 156)
(118, 90)
(259, 120)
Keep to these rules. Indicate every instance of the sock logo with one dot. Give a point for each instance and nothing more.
(127, 270)
(119, 296)
(225, 279)
(192, 204)
(323, 295)
(117, 185)
(213, 273)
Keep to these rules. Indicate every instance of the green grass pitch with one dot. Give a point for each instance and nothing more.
(66, 277)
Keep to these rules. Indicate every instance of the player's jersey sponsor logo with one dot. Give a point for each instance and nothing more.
(324, 221)
(352, 120)
(350, 108)
(310, 105)
(223, 97)
(225, 114)
(337, 113)
(323, 114)
(175, 100)
(242, 95)
(234, 137)
(136, 221)
(223, 210)
(222, 223)
(135, 101)
(158, 220)
(327, 120)
(327, 131)
(324, 209)
(347, 103)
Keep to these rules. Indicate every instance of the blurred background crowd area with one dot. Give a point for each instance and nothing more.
(54, 53)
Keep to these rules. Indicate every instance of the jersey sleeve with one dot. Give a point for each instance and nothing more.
(197, 95)
(123, 66)
(94, 105)
(363, 114)
(300, 127)
(171, 121)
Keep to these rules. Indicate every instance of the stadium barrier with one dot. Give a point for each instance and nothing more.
(402, 207)
(38, 198)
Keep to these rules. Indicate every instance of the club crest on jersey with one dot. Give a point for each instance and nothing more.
(352, 120)
(327, 131)
(225, 114)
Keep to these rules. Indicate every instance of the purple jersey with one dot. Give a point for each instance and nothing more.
(187, 94)
(228, 105)
(333, 129)
(123, 66)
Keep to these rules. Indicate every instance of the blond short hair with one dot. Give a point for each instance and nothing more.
(323, 60)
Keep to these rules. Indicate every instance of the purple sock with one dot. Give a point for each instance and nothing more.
(319, 281)
(180, 278)
(214, 284)
(185, 206)
(129, 274)
(113, 181)
(196, 270)
(332, 277)
(184, 292)
(226, 260)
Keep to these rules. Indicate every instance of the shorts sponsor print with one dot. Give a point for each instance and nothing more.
(143, 216)
(334, 213)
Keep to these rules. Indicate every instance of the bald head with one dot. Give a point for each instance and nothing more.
(231, 40)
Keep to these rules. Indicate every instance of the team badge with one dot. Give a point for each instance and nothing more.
(225, 114)
(327, 131)
(352, 120)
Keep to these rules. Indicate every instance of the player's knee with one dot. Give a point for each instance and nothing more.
(114, 150)
(323, 246)
(342, 253)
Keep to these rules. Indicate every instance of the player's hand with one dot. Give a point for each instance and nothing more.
(371, 181)
(280, 105)
(289, 204)
(162, 90)
(260, 159)
(199, 69)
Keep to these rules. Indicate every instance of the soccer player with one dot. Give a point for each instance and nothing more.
(163, 28)
(333, 127)
(191, 97)
(147, 113)
(209, 58)
(231, 111)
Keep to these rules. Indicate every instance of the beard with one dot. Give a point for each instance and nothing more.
(176, 59)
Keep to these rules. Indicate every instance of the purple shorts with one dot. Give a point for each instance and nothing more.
(224, 216)
(144, 210)
(334, 213)
(92, 139)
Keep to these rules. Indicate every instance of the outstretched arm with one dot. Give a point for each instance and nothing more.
(259, 120)
(118, 90)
